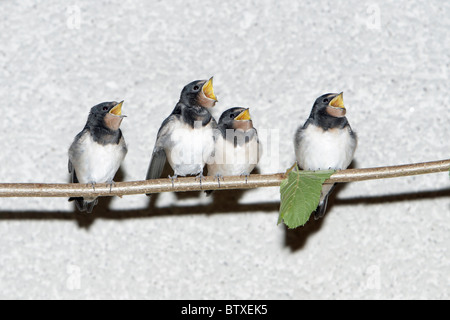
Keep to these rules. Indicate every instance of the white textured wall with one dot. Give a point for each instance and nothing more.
(380, 239)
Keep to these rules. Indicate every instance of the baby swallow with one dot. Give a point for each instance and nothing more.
(326, 141)
(237, 149)
(98, 151)
(186, 137)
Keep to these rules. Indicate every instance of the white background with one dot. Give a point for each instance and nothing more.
(380, 239)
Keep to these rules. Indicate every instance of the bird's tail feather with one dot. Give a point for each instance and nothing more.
(322, 208)
(90, 205)
(84, 206)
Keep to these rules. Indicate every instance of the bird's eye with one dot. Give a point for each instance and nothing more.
(196, 88)
(231, 116)
(326, 100)
(105, 108)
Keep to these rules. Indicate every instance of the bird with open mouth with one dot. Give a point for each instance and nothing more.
(98, 151)
(326, 141)
(237, 149)
(186, 137)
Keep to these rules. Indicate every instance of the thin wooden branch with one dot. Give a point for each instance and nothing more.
(37, 190)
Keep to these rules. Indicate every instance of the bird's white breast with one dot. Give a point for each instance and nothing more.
(96, 163)
(319, 149)
(189, 149)
(234, 160)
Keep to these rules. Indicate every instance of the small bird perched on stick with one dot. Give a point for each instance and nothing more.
(98, 151)
(325, 141)
(186, 137)
(237, 149)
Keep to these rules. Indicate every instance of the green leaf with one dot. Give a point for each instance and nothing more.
(300, 196)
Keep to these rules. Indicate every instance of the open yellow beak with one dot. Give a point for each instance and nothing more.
(244, 116)
(208, 90)
(338, 102)
(117, 110)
